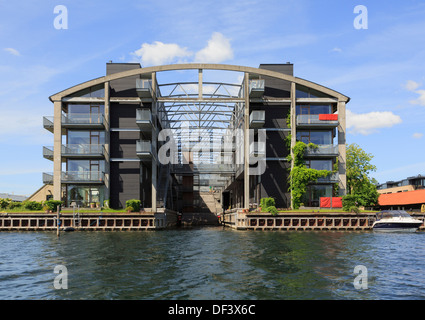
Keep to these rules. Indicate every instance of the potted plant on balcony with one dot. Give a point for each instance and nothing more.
(92, 205)
(129, 209)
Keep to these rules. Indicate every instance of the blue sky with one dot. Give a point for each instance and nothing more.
(381, 68)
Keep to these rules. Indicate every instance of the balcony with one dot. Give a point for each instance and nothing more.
(77, 121)
(257, 119)
(256, 88)
(322, 150)
(144, 150)
(83, 121)
(47, 178)
(80, 151)
(48, 123)
(144, 88)
(144, 119)
(76, 177)
(322, 121)
(333, 177)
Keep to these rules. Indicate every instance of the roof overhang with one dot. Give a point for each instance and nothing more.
(147, 72)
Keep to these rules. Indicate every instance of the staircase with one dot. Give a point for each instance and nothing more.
(205, 213)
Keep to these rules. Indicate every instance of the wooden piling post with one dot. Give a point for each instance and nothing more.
(58, 221)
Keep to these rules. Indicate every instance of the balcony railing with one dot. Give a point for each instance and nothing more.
(144, 88)
(257, 118)
(48, 123)
(83, 119)
(256, 88)
(322, 150)
(144, 119)
(317, 120)
(144, 149)
(77, 151)
(331, 178)
(47, 178)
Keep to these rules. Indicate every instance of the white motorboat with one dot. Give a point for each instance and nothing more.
(396, 220)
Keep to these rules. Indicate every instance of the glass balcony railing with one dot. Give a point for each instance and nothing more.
(89, 177)
(83, 119)
(144, 119)
(256, 88)
(77, 150)
(144, 88)
(77, 120)
(257, 118)
(331, 178)
(317, 120)
(322, 150)
(144, 149)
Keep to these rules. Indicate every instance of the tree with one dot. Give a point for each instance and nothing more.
(359, 183)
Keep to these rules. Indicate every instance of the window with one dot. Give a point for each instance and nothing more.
(315, 136)
(314, 192)
(313, 109)
(319, 164)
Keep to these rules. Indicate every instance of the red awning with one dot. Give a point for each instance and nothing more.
(402, 198)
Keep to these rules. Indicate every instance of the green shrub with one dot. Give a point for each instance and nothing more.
(354, 209)
(349, 201)
(53, 204)
(15, 204)
(265, 203)
(129, 209)
(4, 203)
(272, 210)
(32, 205)
(135, 204)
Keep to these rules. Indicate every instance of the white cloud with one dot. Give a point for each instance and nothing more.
(217, 50)
(336, 49)
(13, 51)
(367, 123)
(417, 135)
(412, 86)
(160, 53)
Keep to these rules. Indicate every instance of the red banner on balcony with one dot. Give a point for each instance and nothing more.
(331, 202)
(328, 117)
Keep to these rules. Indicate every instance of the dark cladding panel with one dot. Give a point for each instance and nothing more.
(123, 144)
(274, 183)
(274, 87)
(276, 146)
(125, 182)
(123, 115)
(125, 87)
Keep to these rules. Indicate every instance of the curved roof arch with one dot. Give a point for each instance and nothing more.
(193, 66)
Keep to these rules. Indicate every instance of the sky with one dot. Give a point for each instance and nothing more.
(374, 55)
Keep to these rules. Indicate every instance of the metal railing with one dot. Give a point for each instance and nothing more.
(322, 150)
(83, 149)
(83, 118)
(82, 176)
(305, 119)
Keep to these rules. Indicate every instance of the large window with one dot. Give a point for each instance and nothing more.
(315, 136)
(75, 109)
(83, 196)
(86, 165)
(314, 192)
(314, 109)
(86, 137)
(319, 164)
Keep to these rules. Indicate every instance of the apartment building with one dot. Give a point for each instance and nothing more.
(168, 134)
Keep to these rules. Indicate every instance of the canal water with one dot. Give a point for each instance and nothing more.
(212, 263)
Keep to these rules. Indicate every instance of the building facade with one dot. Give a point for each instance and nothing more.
(166, 135)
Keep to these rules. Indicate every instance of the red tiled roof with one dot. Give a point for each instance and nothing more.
(402, 198)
